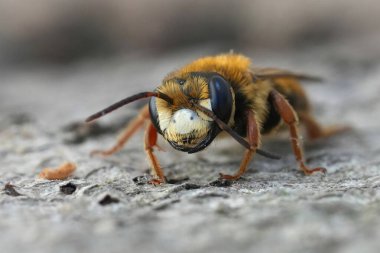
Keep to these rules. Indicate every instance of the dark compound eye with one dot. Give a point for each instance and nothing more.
(154, 114)
(221, 98)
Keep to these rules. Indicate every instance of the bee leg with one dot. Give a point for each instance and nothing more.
(129, 131)
(150, 143)
(316, 131)
(253, 135)
(289, 116)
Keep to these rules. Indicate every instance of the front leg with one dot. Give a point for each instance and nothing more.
(150, 143)
(289, 116)
(253, 135)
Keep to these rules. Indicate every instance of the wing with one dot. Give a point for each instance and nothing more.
(271, 73)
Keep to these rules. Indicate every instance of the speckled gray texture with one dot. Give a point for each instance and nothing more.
(273, 208)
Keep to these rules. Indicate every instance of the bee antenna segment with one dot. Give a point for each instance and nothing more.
(127, 101)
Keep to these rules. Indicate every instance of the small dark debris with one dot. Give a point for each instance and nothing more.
(11, 191)
(140, 180)
(191, 186)
(221, 183)
(68, 189)
(186, 187)
(177, 180)
(107, 200)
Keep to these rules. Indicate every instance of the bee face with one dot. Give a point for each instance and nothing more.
(184, 127)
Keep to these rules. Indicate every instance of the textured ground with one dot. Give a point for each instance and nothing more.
(107, 205)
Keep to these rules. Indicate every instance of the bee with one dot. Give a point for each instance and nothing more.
(194, 104)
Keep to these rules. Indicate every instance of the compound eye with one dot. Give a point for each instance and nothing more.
(221, 98)
(154, 114)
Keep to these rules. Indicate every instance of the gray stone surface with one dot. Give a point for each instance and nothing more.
(273, 208)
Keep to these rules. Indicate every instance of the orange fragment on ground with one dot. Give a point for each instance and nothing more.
(60, 173)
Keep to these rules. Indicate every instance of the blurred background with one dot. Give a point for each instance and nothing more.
(79, 56)
(65, 32)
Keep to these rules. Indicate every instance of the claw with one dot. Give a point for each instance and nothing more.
(311, 171)
(228, 177)
(156, 181)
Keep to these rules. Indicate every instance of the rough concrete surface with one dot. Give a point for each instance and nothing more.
(106, 206)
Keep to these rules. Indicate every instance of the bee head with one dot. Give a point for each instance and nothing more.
(183, 123)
